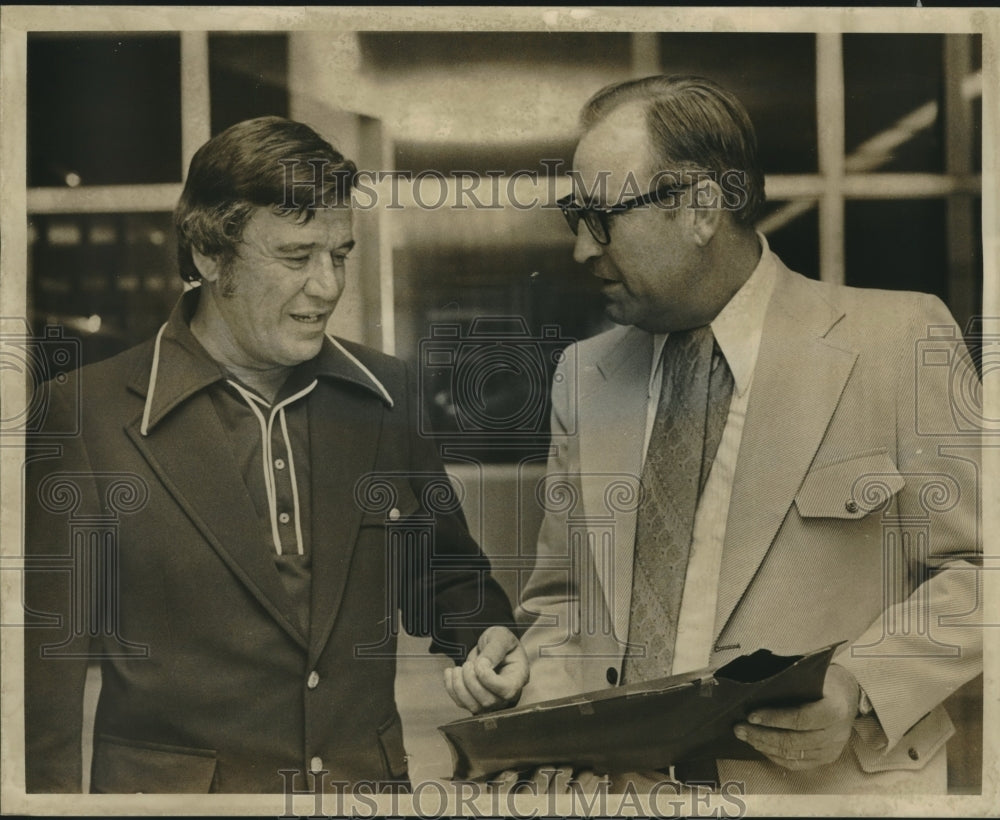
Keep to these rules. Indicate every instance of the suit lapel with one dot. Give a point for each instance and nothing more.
(212, 493)
(797, 383)
(613, 424)
(343, 446)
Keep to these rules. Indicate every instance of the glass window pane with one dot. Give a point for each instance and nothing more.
(775, 77)
(899, 245)
(894, 86)
(248, 77)
(483, 326)
(109, 279)
(103, 110)
(490, 101)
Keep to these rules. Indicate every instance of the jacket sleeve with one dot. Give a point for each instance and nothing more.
(451, 574)
(928, 642)
(549, 608)
(58, 484)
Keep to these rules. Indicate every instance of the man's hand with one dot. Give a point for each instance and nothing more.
(492, 676)
(803, 737)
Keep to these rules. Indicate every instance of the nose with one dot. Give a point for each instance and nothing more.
(586, 247)
(326, 279)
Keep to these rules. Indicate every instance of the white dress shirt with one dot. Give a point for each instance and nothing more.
(737, 329)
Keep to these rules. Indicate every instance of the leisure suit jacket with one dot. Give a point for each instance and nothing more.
(854, 517)
(210, 682)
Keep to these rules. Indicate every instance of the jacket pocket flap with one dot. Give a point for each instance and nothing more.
(124, 766)
(849, 488)
(389, 498)
(914, 749)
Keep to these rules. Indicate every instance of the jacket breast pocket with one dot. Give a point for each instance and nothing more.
(849, 488)
(123, 766)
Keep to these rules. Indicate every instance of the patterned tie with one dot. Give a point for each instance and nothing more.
(690, 417)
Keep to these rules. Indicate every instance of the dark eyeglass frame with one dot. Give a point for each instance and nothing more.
(596, 218)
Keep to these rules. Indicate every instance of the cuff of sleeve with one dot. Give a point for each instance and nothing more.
(870, 732)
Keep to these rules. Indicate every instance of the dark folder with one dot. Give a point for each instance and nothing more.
(649, 725)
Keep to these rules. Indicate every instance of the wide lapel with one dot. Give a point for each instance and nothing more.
(343, 446)
(799, 378)
(212, 493)
(612, 411)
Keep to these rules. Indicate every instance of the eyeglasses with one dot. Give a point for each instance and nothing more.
(596, 219)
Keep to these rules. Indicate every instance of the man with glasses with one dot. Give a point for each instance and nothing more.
(779, 437)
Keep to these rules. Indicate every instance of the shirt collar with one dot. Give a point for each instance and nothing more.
(740, 324)
(181, 367)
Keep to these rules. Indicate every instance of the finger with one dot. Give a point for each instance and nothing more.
(551, 779)
(504, 781)
(495, 643)
(506, 681)
(449, 687)
(458, 691)
(794, 746)
(804, 718)
(590, 782)
(471, 671)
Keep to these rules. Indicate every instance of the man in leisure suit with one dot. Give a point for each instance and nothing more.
(752, 459)
(246, 505)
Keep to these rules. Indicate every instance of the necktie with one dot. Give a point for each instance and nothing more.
(690, 417)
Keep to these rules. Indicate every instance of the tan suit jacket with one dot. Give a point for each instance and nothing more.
(854, 516)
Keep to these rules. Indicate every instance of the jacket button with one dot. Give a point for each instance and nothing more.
(316, 765)
(851, 506)
(612, 675)
(913, 753)
(313, 680)
(394, 514)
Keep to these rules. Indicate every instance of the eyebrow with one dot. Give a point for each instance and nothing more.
(294, 247)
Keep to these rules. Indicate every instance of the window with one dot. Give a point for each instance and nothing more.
(112, 121)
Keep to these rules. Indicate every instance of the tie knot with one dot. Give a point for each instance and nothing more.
(693, 336)
(695, 344)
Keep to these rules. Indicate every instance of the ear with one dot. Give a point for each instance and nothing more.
(208, 266)
(706, 210)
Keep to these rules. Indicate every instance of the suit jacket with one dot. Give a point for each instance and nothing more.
(147, 553)
(854, 516)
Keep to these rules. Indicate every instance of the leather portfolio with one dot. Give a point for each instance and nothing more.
(649, 725)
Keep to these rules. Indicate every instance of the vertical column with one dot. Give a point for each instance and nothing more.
(328, 91)
(958, 166)
(196, 112)
(378, 294)
(94, 604)
(645, 53)
(907, 628)
(830, 128)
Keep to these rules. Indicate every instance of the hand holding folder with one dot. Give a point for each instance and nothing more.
(648, 725)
